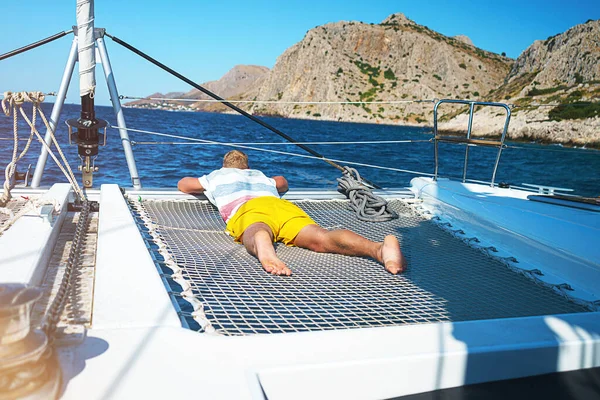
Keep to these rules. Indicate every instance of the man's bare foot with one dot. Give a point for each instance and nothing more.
(391, 255)
(275, 266)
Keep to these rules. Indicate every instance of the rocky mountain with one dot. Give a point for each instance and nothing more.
(385, 69)
(551, 84)
(395, 61)
(235, 82)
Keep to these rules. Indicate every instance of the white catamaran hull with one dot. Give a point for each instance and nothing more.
(136, 345)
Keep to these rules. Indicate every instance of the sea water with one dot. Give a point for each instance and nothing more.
(163, 160)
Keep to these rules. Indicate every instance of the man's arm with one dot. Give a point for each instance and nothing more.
(281, 183)
(190, 185)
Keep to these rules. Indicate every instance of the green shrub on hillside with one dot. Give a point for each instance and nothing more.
(539, 92)
(523, 101)
(575, 95)
(369, 95)
(576, 110)
(389, 74)
(367, 69)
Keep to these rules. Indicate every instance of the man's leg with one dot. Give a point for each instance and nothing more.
(258, 240)
(346, 242)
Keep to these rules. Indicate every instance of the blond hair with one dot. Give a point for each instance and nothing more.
(235, 159)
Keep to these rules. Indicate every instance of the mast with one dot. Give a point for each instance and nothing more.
(86, 135)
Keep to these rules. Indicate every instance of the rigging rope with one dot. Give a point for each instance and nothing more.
(133, 143)
(34, 45)
(13, 104)
(273, 151)
(367, 206)
(122, 97)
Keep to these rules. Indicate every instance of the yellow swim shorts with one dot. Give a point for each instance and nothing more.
(284, 218)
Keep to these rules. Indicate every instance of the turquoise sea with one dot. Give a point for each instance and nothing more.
(161, 162)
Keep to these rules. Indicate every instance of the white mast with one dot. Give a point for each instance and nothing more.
(86, 47)
(87, 125)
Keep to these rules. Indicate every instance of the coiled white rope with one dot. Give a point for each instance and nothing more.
(13, 104)
(367, 206)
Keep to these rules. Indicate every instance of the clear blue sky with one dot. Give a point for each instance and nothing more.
(204, 39)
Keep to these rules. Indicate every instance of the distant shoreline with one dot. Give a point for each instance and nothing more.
(520, 139)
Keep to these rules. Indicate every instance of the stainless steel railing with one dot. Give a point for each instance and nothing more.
(467, 140)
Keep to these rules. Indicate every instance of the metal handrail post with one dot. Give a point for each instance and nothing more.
(469, 130)
(116, 103)
(504, 131)
(56, 111)
(435, 141)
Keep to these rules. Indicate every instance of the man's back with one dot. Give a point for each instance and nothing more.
(229, 188)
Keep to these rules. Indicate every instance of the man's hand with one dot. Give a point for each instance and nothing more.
(281, 183)
(190, 185)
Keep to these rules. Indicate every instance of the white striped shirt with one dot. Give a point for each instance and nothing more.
(229, 188)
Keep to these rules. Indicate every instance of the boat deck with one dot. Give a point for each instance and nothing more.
(447, 278)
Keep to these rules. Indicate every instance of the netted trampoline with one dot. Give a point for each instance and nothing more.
(13, 208)
(447, 279)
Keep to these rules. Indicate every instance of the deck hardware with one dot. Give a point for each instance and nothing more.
(87, 138)
(77, 207)
(490, 249)
(510, 259)
(448, 224)
(27, 364)
(459, 231)
(534, 271)
(563, 286)
(541, 189)
(473, 239)
(47, 212)
(22, 177)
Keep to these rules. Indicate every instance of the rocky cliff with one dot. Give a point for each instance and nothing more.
(395, 61)
(384, 70)
(555, 88)
(234, 83)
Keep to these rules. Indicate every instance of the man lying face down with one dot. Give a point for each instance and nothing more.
(257, 217)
